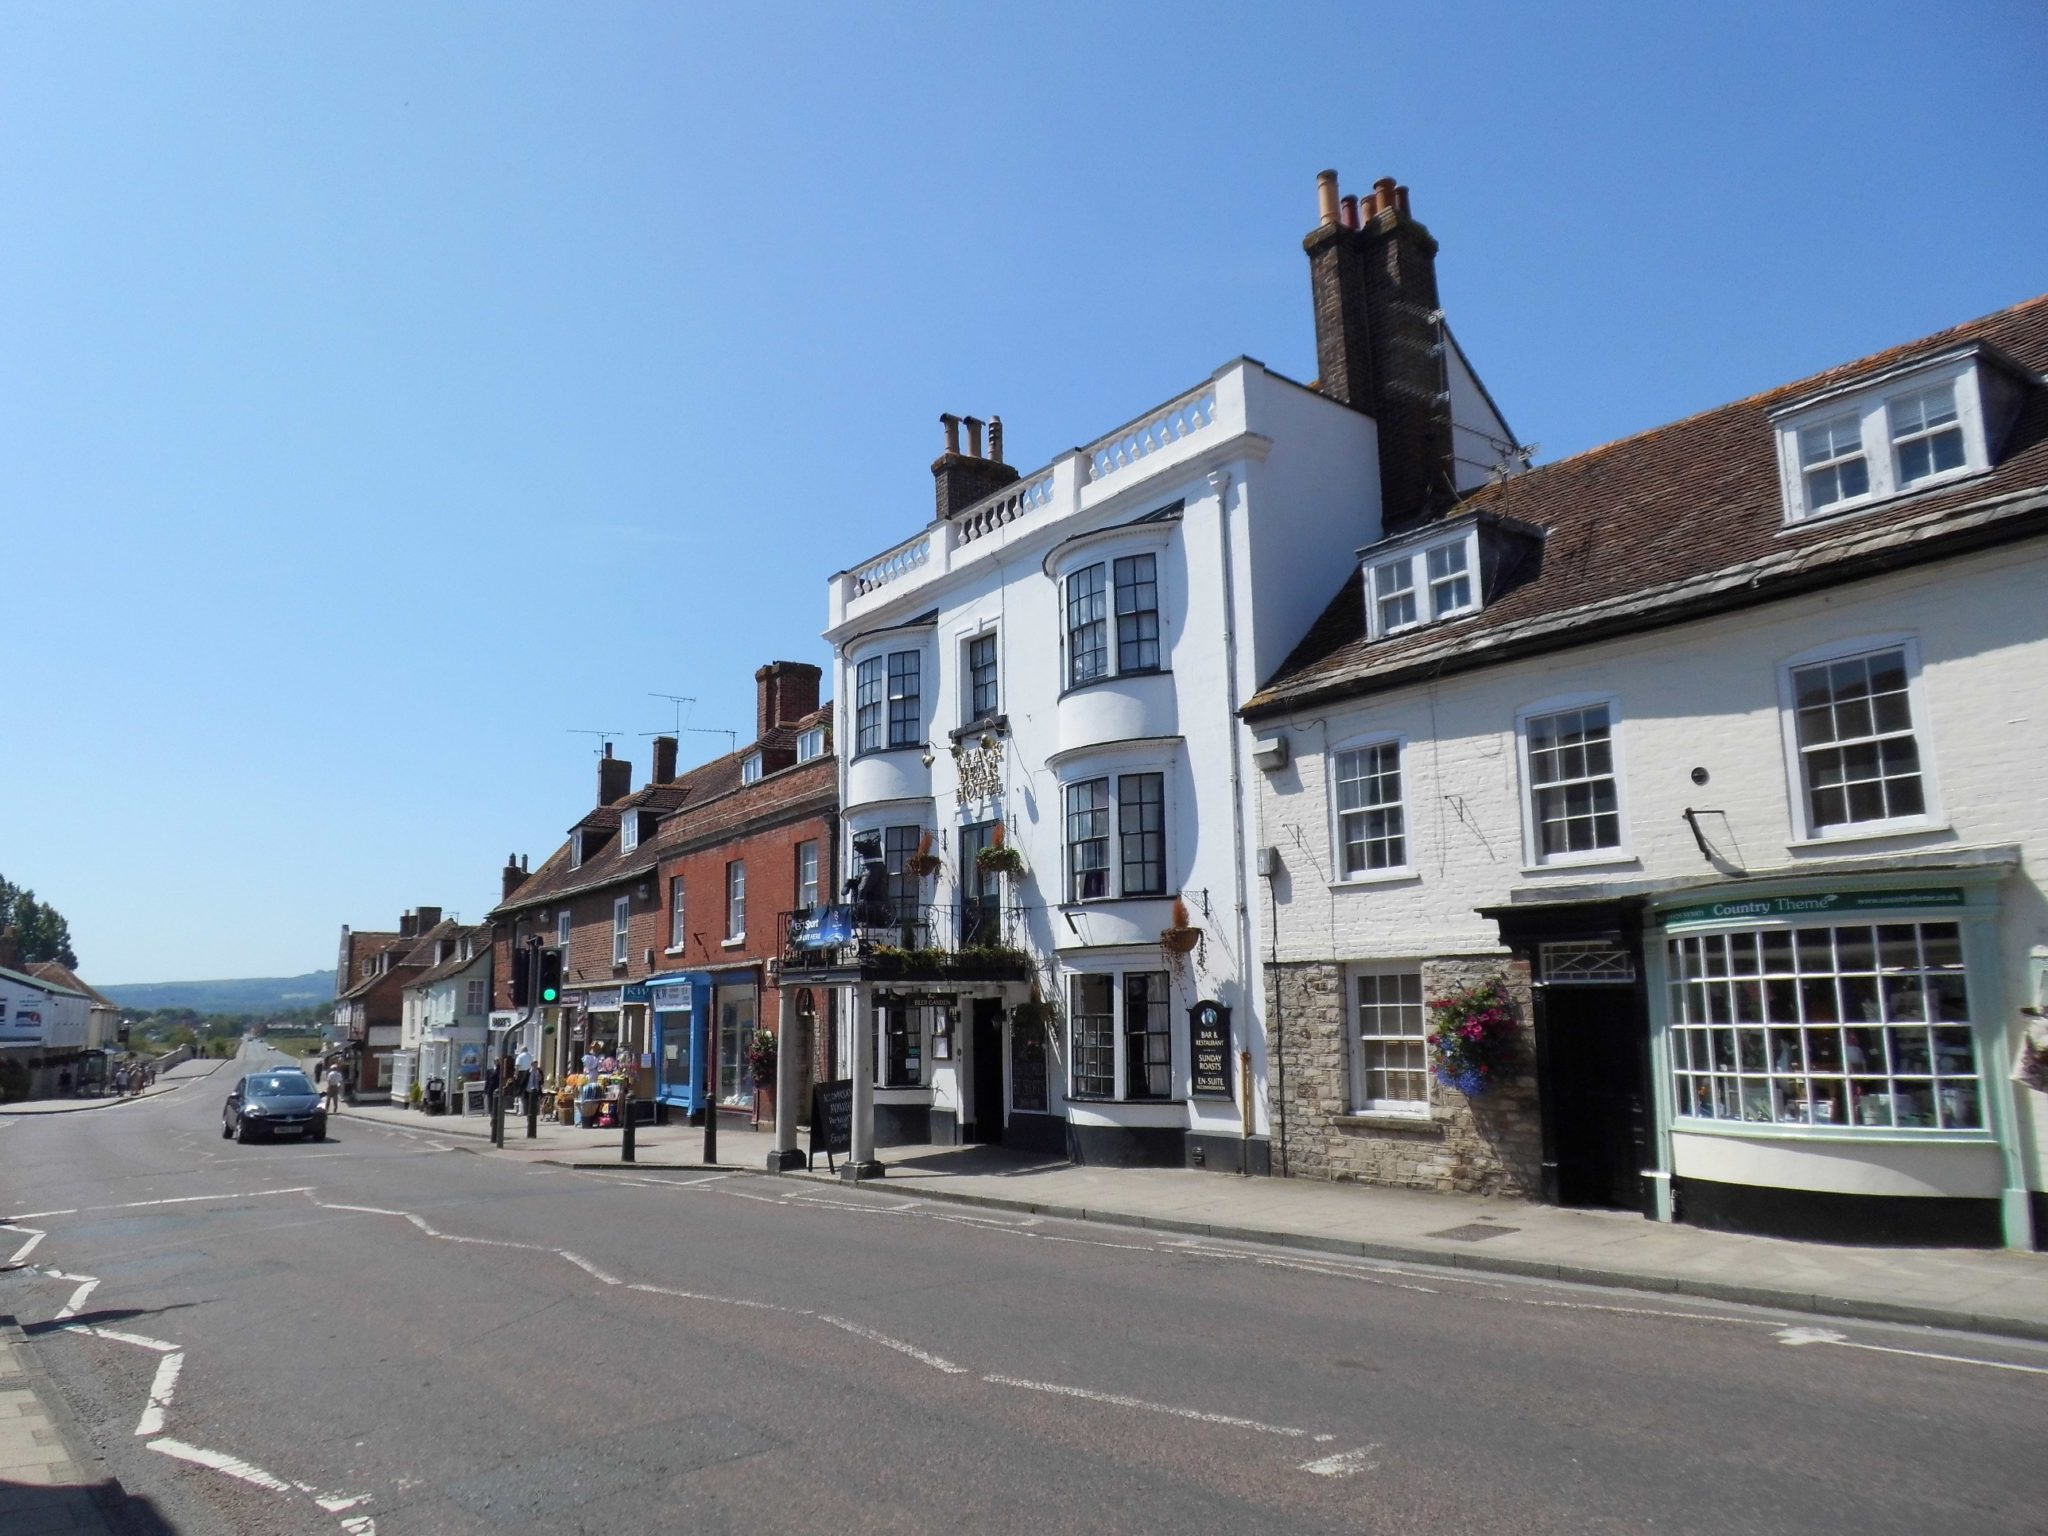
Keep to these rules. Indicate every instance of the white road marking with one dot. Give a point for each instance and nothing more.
(160, 1390)
(587, 1267)
(220, 1461)
(140, 1341)
(1118, 1400)
(85, 1289)
(923, 1357)
(1799, 1336)
(1343, 1464)
(724, 1301)
(32, 1215)
(35, 1235)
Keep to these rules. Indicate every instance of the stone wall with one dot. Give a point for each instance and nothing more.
(1487, 1146)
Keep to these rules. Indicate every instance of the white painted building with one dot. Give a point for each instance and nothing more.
(1058, 657)
(1725, 761)
(443, 1030)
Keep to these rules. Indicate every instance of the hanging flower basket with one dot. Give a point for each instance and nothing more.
(1472, 1037)
(761, 1057)
(1181, 937)
(923, 863)
(999, 858)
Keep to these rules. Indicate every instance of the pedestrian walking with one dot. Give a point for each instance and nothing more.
(533, 1087)
(334, 1090)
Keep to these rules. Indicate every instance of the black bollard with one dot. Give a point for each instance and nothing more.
(626, 1146)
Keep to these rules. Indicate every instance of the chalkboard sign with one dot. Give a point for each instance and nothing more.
(831, 1120)
(1209, 1050)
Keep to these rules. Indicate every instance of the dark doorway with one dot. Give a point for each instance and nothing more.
(987, 1046)
(1598, 1042)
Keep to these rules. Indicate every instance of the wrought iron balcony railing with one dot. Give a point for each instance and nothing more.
(974, 941)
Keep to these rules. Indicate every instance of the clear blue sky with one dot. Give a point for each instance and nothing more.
(387, 389)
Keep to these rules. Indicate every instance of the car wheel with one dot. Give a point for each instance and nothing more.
(226, 1130)
(242, 1132)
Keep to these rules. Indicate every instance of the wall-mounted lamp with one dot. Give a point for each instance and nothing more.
(928, 754)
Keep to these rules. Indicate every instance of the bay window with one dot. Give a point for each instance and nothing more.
(1136, 804)
(1122, 1034)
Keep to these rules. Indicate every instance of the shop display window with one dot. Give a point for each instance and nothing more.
(1864, 1027)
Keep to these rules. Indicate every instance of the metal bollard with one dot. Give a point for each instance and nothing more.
(626, 1146)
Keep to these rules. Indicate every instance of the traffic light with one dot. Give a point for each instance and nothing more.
(522, 976)
(549, 981)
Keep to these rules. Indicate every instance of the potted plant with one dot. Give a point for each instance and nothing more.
(923, 863)
(1472, 1036)
(1181, 936)
(999, 858)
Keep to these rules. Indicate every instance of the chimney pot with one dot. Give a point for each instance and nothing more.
(1326, 196)
(973, 436)
(1401, 200)
(952, 426)
(1383, 192)
(1349, 216)
(1368, 208)
(995, 439)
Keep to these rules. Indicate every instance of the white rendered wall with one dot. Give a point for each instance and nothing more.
(1703, 695)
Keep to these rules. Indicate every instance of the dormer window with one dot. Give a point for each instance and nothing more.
(629, 832)
(810, 744)
(576, 850)
(1920, 425)
(1424, 582)
(750, 768)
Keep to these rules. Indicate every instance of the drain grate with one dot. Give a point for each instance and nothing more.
(1472, 1232)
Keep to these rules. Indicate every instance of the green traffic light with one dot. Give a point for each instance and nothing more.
(549, 995)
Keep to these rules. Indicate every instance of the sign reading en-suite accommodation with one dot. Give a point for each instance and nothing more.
(1817, 904)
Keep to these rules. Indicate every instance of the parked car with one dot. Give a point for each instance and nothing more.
(274, 1104)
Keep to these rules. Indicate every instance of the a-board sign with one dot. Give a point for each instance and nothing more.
(1209, 1050)
(831, 1120)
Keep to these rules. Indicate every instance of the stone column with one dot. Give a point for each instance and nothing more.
(862, 1164)
(787, 1067)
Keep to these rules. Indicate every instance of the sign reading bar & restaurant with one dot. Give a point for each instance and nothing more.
(1209, 1050)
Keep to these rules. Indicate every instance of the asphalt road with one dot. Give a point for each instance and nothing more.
(380, 1333)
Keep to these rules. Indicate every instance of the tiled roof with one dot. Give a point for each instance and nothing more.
(455, 963)
(48, 984)
(1658, 522)
(64, 976)
(698, 790)
(422, 951)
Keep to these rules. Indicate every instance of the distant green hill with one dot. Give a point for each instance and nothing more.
(256, 994)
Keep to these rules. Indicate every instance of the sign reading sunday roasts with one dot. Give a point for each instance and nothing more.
(1209, 1050)
(831, 1121)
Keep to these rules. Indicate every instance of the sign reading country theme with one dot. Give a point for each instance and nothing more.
(1815, 904)
(1209, 1050)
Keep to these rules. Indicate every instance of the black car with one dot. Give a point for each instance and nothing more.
(274, 1104)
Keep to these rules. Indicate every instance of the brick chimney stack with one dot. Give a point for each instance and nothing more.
(962, 479)
(428, 917)
(784, 692)
(664, 760)
(514, 876)
(614, 777)
(1379, 340)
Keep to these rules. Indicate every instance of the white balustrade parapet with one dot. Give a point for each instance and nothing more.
(1184, 418)
(1013, 501)
(893, 566)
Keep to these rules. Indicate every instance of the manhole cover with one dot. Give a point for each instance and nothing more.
(1472, 1232)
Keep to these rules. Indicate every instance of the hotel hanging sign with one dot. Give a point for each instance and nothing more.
(1817, 904)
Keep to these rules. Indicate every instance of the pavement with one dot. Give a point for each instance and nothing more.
(45, 1483)
(171, 1078)
(1991, 1291)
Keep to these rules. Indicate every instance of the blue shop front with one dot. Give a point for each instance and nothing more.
(680, 1002)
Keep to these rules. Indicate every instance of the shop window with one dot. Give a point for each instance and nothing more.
(1389, 1054)
(1859, 1028)
(1138, 1052)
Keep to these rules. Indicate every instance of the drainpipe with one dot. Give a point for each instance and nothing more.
(1219, 481)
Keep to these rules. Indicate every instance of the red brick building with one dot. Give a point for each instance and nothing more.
(667, 904)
